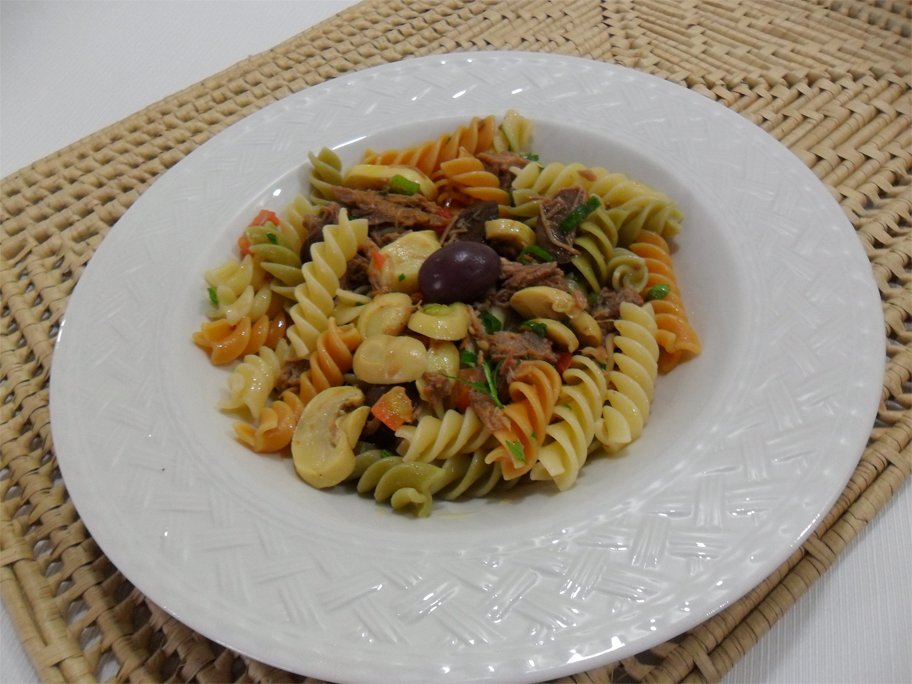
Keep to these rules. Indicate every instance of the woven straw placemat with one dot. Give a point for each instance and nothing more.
(828, 78)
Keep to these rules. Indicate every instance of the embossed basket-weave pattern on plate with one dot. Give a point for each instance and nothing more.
(829, 79)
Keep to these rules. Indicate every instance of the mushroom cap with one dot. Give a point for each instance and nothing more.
(324, 439)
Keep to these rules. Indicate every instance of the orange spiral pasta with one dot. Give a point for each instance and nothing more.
(533, 394)
(676, 337)
(331, 359)
(477, 137)
(275, 425)
(227, 342)
(468, 175)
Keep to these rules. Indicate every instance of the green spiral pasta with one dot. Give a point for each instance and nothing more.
(409, 485)
(600, 261)
(276, 255)
(326, 174)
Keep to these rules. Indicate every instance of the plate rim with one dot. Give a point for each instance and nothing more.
(259, 119)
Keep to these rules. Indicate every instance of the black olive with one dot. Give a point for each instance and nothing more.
(459, 272)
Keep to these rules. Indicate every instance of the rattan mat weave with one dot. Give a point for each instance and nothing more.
(829, 78)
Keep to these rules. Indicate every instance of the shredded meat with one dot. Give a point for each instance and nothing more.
(290, 376)
(499, 164)
(553, 211)
(469, 225)
(328, 215)
(436, 388)
(402, 211)
(608, 306)
(512, 349)
(355, 275)
(516, 276)
(525, 345)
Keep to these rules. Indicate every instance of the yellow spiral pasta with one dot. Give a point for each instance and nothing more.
(297, 212)
(677, 338)
(434, 439)
(253, 380)
(468, 175)
(569, 437)
(350, 304)
(275, 425)
(330, 360)
(642, 207)
(632, 380)
(427, 157)
(315, 296)
(532, 395)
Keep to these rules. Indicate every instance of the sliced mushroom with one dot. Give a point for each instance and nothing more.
(442, 321)
(549, 302)
(324, 439)
(387, 360)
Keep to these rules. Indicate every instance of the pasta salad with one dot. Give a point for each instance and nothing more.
(449, 319)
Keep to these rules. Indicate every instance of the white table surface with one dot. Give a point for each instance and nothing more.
(67, 69)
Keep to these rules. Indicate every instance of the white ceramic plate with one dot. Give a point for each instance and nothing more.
(748, 445)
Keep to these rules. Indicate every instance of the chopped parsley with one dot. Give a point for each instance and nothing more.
(537, 327)
(386, 454)
(530, 156)
(516, 448)
(272, 238)
(488, 388)
(401, 277)
(213, 297)
(567, 406)
(575, 217)
(490, 322)
(469, 359)
(659, 291)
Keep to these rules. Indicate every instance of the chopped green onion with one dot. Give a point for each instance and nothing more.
(530, 156)
(537, 327)
(386, 454)
(592, 298)
(490, 322)
(533, 435)
(272, 238)
(659, 291)
(432, 309)
(567, 406)
(535, 250)
(510, 195)
(602, 365)
(577, 215)
(401, 277)
(469, 359)
(516, 448)
(213, 297)
(403, 185)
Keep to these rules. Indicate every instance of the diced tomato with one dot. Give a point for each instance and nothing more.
(264, 217)
(244, 244)
(563, 362)
(378, 259)
(394, 409)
